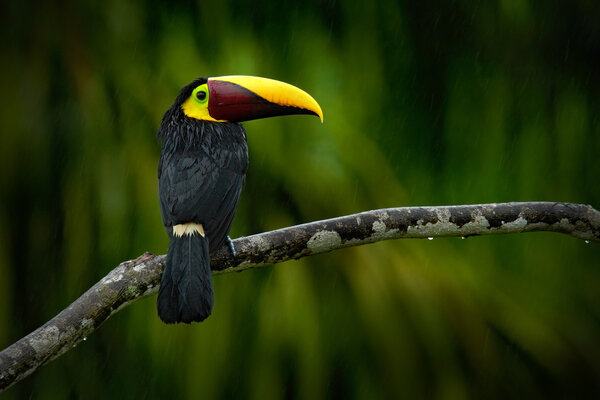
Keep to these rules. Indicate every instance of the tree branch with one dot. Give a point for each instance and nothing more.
(139, 278)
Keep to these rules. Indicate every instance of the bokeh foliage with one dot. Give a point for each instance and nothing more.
(426, 103)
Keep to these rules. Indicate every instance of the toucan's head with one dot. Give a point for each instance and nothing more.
(240, 98)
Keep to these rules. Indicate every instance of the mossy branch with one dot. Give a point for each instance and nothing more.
(138, 278)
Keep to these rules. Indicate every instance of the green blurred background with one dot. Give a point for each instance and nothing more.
(426, 103)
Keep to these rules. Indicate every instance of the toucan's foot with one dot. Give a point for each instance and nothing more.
(230, 243)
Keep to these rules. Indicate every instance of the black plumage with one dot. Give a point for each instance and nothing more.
(201, 172)
(186, 292)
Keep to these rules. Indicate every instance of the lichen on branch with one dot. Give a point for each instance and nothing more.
(135, 279)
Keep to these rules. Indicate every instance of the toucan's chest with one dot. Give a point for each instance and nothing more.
(201, 175)
(215, 144)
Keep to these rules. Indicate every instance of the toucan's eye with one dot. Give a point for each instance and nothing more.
(201, 94)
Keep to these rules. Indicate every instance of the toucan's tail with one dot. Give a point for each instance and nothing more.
(186, 292)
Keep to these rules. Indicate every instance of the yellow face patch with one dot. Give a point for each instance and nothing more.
(196, 106)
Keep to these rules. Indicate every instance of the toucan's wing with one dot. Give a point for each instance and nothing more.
(204, 185)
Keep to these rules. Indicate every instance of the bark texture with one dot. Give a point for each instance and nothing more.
(139, 278)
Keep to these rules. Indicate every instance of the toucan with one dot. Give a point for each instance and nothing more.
(201, 172)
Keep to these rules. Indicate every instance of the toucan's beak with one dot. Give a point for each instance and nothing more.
(239, 98)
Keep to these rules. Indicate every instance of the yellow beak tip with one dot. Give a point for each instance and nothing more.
(317, 110)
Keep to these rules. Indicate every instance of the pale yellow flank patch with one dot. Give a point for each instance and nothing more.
(188, 229)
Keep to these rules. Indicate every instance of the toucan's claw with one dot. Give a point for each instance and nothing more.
(230, 243)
